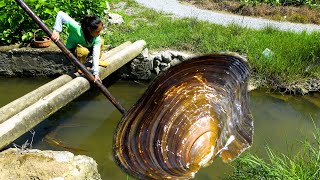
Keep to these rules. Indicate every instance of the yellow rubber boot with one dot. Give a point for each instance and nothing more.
(102, 63)
(101, 47)
(81, 53)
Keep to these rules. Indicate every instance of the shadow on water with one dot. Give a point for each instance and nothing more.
(87, 124)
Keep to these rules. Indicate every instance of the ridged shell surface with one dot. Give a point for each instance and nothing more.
(193, 112)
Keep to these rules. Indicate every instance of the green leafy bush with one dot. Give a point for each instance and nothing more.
(16, 26)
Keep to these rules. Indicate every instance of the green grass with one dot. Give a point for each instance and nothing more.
(303, 165)
(294, 53)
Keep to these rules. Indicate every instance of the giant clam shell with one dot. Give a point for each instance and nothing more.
(188, 115)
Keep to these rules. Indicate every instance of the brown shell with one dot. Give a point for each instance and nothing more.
(188, 115)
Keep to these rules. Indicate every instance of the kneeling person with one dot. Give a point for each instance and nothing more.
(84, 38)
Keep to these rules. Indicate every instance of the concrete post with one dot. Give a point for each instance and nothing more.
(25, 120)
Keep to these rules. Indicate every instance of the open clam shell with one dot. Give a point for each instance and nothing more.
(187, 116)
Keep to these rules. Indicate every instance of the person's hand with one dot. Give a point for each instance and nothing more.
(55, 36)
(96, 78)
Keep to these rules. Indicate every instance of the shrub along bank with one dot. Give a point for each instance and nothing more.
(16, 26)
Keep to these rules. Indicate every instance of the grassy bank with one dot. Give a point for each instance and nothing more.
(306, 11)
(294, 54)
(305, 164)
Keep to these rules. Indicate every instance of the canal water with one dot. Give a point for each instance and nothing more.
(86, 125)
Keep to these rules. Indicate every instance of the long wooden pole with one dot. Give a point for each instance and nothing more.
(71, 57)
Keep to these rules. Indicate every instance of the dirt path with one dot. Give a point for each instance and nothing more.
(181, 10)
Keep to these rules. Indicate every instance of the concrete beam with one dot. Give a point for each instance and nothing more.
(25, 120)
(23, 102)
(120, 58)
(18, 105)
(115, 50)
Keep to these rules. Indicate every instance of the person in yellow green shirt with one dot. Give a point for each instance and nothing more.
(84, 38)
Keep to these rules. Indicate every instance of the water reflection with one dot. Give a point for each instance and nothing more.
(13, 88)
(282, 120)
(279, 121)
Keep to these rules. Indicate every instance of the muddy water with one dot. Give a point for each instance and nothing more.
(87, 124)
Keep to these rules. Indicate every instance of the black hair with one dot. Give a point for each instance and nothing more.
(89, 22)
